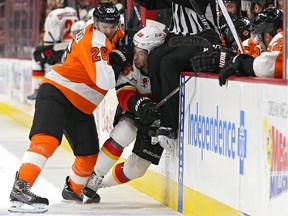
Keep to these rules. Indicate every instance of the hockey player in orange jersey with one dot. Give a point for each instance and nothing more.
(267, 64)
(65, 103)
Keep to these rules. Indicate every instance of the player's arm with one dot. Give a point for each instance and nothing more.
(130, 100)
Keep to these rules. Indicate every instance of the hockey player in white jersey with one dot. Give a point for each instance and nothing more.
(57, 30)
(136, 112)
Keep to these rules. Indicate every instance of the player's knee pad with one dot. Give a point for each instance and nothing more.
(124, 132)
(135, 167)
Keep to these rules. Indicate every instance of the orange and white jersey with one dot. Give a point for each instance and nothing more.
(270, 63)
(58, 25)
(86, 75)
(250, 48)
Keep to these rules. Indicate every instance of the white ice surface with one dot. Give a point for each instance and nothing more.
(120, 200)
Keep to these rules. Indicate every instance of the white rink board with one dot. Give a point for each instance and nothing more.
(258, 110)
(212, 159)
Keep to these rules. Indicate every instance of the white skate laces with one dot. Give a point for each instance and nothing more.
(91, 186)
(166, 137)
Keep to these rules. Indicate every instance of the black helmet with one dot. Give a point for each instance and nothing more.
(269, 20)
(107, 13)
(243, 27)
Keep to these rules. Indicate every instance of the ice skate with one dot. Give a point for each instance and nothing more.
(166, 137)
(33, 96)
(91, 187)
(69, 195)
(21, 195)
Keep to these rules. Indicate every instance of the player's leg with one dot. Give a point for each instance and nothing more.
(121, 136)
(45, 135)
(143, 155)
(81, 133)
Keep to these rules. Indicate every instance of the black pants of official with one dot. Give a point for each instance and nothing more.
(165, 64)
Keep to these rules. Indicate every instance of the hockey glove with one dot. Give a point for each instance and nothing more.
(55, 57)
(147, 112)
(127, 50)
(42, 53)
(235, 67)
(119, 62)
(211, 61)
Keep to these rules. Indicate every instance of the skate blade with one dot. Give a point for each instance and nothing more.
(19, 207)
(85, 199)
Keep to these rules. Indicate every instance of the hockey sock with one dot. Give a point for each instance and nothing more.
(109, 154)
(80, 172)
(37, 77)
(41, 148)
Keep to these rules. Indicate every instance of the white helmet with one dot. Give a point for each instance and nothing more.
(149, 38)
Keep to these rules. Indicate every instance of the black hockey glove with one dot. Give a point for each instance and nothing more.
(147, 112)
(42, 53)
(211, 61)
(236, 66)
(119, 62)
(55, 57)
(127, 50)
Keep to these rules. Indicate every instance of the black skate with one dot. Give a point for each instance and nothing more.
(69, 195)
(91, 187)
(33, 96)
(21, 194)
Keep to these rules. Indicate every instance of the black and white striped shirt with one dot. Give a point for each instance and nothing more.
(185, 21)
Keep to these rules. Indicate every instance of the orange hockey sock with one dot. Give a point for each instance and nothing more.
(41, 148)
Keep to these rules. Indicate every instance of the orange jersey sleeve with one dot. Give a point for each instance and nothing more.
(86, 75)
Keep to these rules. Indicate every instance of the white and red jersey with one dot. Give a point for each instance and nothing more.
(86, 75)
(132, 82)
(58, 25)
(270, 63)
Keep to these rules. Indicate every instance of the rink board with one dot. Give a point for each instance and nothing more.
(230, 155)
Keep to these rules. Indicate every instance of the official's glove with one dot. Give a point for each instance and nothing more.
(211, 61)
(233, 67)
(119, 62)
(147, 112)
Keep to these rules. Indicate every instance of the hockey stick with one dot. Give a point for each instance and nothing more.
(171, 94)
(137, 13)
(126, 21)
(181, 41)
(231, 25)
(200, 14)
(77, 9)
